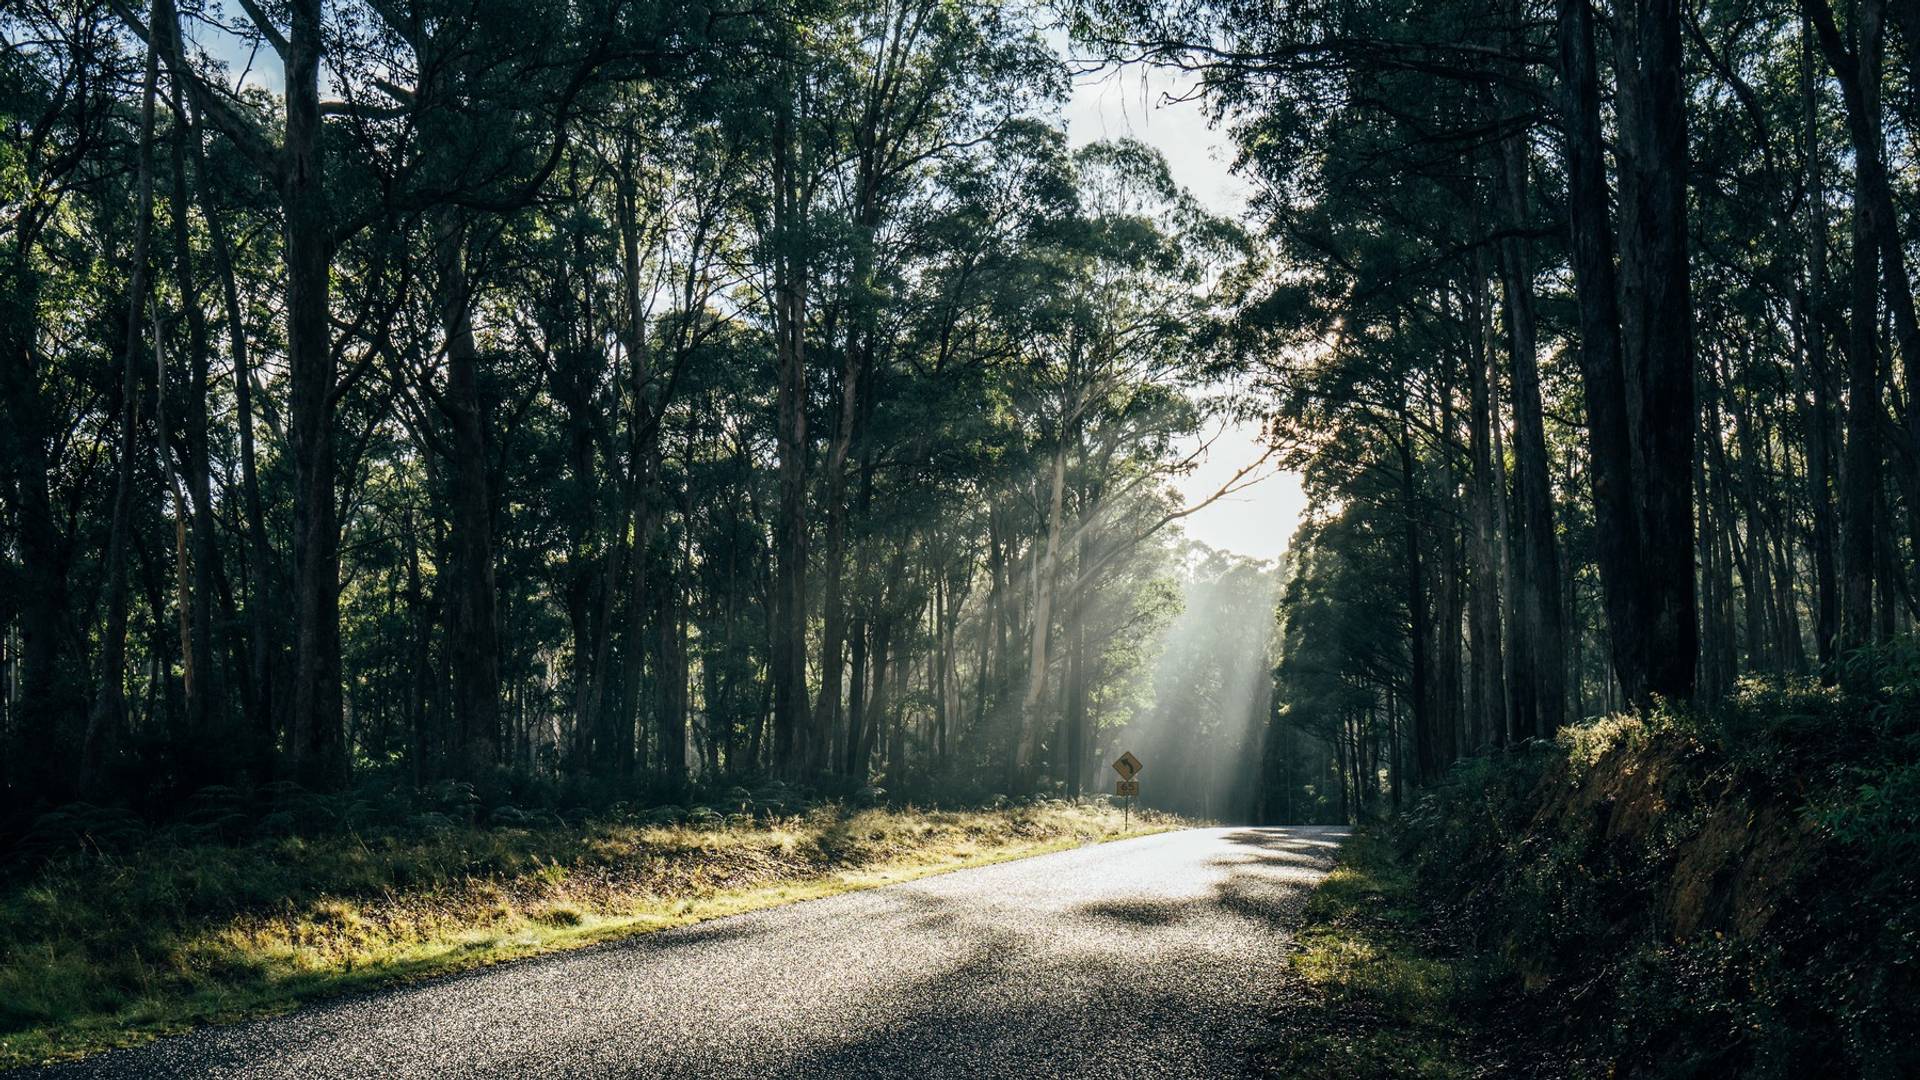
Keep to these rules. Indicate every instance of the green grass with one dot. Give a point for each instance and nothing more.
(1370, 995)
(100, 951)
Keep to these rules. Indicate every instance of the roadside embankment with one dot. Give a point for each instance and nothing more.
(1734, 893)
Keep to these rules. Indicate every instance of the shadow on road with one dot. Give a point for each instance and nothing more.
(1316, 837)
(1137, 912)
(1155, 959)
(1181, 971)
(1251, 889)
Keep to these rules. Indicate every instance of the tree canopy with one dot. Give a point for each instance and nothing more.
(625, 396)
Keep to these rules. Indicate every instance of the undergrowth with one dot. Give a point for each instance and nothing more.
(1731, 892)
(1684, 893)
(102, 944)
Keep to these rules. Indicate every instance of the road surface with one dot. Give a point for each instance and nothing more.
(1151, 957)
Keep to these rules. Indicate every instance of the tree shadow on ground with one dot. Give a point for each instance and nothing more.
(1170, 1007)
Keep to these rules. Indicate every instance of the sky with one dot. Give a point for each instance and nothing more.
(1133, 102)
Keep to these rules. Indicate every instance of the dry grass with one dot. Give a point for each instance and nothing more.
(97, 953)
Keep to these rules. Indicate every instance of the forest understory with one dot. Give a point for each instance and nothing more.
(1685, 894)
(227, 916)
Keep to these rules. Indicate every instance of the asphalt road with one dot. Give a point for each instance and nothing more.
(1153, 957)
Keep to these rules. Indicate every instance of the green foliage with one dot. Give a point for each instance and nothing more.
(1697, 893)
(1343, 656)
(560, 243)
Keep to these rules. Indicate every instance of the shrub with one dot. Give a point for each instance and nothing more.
(1690, 894)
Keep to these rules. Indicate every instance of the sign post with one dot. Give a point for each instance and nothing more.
(1128, 786)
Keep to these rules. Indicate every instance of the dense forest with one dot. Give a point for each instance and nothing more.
(618, 396)
(1593, 333)
(637, 395)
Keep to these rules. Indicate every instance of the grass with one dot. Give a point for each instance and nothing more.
(99, 951)
(1372, 994)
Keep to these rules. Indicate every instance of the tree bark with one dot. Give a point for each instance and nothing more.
(107, 717)
(1877, 250)
(1539, 639)
(1636, 349)
(790, 697)
(1076, 704)
(1818, 377)
(1419, 650)
(1489, 693)
(855, 366)
(206, 699)
(263, 581)
(1657, 332)
(670, 690)
(317, 748)
(1045, 572)
(826, 717)
(1449, 591)
(47, 700)
(472, 625)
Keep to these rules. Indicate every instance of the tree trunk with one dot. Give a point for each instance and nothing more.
(1539, 640)
(1819, 379)
(42, 756)
(789, 636)
(1504, 732)
(1860, 474)
(472, 626)
(1045, 571)
(1076, 712)
(1419, 652)
(107, 718)
(669, 684)
(1875, 237)
(1636, 351)
(855, 366)
(1616, 526)
(874, 715)
(1450, 595)
(317, 747)
(1657, 331)
(1715, 579)
(206, 701)
(425, 756)
(1489, 693)
(826, 718)
(263, 582)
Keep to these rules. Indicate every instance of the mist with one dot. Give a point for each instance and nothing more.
(1199, 729)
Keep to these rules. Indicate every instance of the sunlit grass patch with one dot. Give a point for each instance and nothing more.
(97, 952)
(1368, 997)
